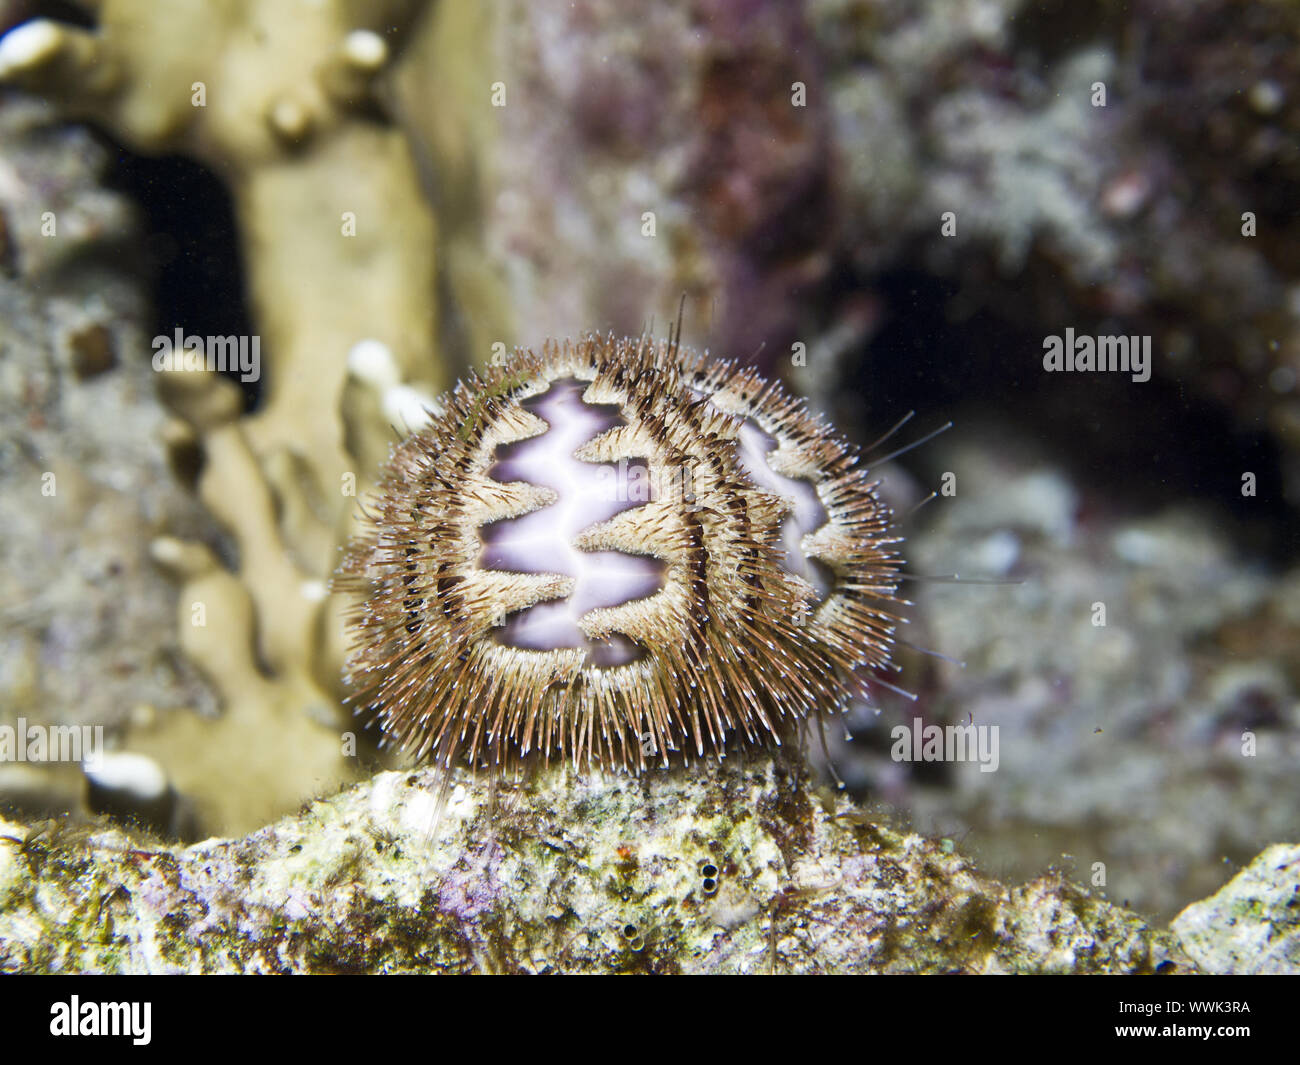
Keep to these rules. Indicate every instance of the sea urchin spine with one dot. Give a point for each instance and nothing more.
(618, 553)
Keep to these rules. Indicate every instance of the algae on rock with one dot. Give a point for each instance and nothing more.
(1252, 924)
(724, 868)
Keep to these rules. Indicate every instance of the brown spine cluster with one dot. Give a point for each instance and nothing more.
(734, 646)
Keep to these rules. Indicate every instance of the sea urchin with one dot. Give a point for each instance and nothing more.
(617, 553)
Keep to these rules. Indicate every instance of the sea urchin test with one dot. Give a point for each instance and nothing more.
(620, 554)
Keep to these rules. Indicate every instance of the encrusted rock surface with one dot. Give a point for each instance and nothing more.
(1252, 924)
(739, 869)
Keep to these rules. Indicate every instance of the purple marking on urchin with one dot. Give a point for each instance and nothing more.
(543, 541)
(806, 515)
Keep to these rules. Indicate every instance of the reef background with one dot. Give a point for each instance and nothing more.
(816, 226)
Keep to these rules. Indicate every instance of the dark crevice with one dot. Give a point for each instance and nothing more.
(192, 249)
(1139, 446)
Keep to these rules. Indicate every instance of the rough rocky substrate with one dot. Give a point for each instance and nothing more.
(743, 869)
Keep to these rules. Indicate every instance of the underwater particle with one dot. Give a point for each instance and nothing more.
(365, 50)
(289, 120)
(619, 554)
(29, 45)
(92, 350)
(404, 407)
